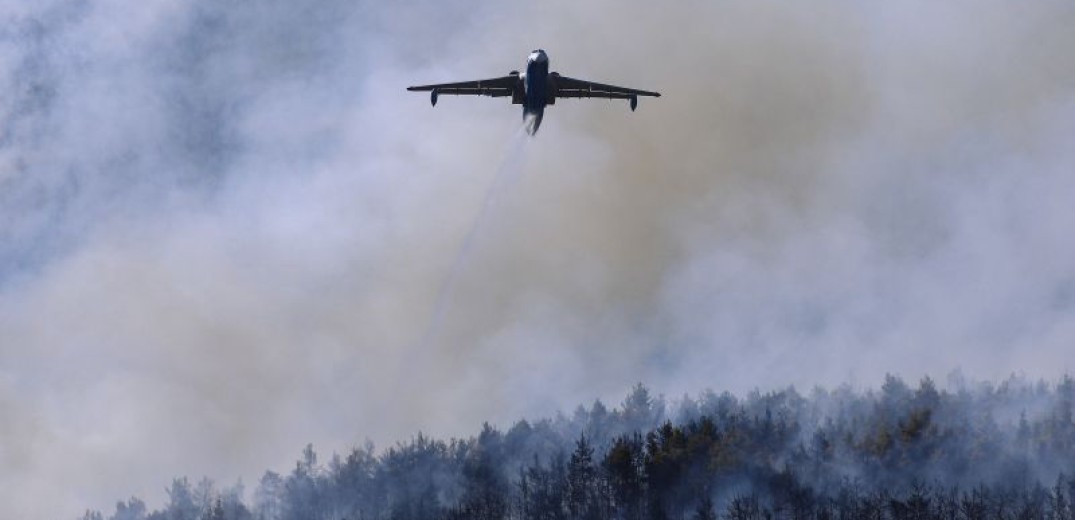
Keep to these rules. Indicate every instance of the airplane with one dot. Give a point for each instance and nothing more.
(534, 89)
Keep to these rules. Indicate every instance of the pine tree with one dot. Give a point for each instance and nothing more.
(582, 483)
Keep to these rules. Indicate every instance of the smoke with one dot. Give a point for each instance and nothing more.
(225, 224)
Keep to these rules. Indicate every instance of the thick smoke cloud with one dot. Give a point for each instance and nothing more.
(223, 225)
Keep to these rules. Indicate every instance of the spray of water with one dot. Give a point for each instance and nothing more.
(506, 174)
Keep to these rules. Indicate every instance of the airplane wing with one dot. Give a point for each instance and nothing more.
(576, 88)
(495, 87)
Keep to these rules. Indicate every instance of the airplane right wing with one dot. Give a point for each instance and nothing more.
(576, 88)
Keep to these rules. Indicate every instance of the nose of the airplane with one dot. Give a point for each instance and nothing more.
(538, 55)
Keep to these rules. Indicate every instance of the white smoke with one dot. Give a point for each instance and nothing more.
(224, 225)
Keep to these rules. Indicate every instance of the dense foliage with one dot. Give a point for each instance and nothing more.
(967, 452)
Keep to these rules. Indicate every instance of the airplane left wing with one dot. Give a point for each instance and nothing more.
(566, 87)
(495, 87)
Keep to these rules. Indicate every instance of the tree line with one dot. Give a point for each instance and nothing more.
(968, 451)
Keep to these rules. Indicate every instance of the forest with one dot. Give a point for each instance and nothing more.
(970, 450)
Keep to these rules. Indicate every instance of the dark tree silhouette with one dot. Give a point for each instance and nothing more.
(980, 451)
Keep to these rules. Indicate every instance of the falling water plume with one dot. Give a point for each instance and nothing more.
(506, 174)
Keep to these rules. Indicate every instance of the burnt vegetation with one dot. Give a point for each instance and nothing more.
(969, 451)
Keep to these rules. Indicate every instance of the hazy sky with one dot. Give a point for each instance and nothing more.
(224, 223)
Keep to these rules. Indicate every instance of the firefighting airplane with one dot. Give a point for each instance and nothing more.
(535, 89)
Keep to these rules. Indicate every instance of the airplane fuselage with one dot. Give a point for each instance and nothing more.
(536, 88)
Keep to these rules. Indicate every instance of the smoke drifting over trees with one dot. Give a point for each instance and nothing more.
(224, 223)
(974, 451)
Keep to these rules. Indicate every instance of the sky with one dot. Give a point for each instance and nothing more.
(224, 225)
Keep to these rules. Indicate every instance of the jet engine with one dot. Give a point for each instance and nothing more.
(634, 103)
(518, 93)
(433, 97)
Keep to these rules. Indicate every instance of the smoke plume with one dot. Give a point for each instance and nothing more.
(224, 224)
